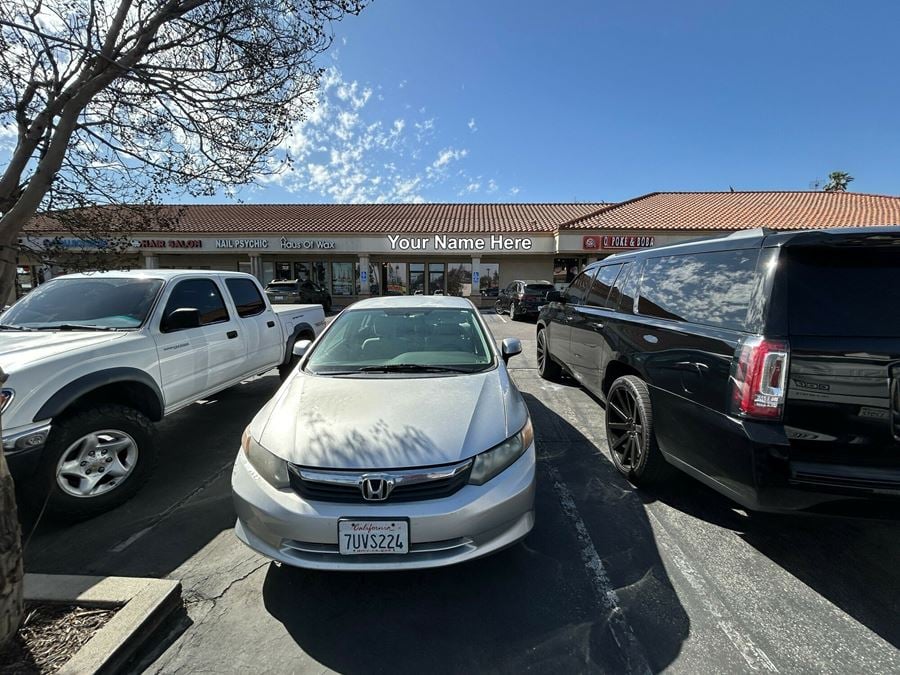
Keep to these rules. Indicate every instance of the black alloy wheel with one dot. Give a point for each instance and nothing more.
(497, 307)
(629, 432)
(548, 369)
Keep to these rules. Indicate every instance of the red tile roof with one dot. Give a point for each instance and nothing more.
(369, 218)
(743, 210)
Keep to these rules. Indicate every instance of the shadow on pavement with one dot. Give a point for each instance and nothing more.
(184, 506)
(848, 556)
(532, 607)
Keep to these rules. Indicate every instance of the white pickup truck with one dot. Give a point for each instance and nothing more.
(94, 359)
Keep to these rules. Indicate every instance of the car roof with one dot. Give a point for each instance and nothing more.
(412, 302)
(152, 274)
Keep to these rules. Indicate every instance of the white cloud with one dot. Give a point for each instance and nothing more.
(492, 185)
(472, 127)
(347, 151)
(514, 190)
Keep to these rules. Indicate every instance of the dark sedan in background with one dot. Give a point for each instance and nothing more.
(296, 292)
(523, 298)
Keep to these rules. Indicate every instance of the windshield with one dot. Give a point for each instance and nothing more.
(538, 288)
(402, 339)
(102, 302)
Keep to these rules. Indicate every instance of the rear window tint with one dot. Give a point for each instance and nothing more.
(604, 280)
(538, 288)
(711, 289)
(843, 291)
(246, 297)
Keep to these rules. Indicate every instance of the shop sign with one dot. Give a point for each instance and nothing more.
(242, 243)
(167, 243)
(60, 242)
(607, 241)
(307, 244)
(441, 242)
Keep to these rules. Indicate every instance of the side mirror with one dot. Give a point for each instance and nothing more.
(301, 347)
(555, 296)
(510, 347)
(181, 319)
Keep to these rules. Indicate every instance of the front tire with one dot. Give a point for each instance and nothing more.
(497, 307)
(630, 434)
(96, 460)
(548, 369)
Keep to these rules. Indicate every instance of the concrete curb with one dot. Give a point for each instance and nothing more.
(145, 603)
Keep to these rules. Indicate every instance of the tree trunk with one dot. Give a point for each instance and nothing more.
(11, 569)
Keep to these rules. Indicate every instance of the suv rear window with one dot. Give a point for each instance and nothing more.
(844, 291)
(711, 289)
(539, 288)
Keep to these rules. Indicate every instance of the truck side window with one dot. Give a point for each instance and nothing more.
(606, 275)
(246, 297)
(578, 289)
(200, 294)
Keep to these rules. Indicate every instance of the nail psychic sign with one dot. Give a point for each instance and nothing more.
(440, 242)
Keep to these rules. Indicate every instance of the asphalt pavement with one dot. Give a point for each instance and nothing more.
(612, 579)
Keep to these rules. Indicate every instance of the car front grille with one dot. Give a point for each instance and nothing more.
(410, 485)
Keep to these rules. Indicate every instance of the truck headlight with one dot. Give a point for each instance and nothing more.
(6, 397)
(273, 469)
(492, 462)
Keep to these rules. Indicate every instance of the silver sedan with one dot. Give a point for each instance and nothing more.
(399, 441)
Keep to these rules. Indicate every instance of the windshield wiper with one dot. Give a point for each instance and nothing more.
(77, 326)
(7, 326)
(411, 368)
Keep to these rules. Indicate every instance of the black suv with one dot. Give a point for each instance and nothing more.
(765, 364)
(522, 298)
(295, 292)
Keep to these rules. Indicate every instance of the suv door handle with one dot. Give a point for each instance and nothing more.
(270, 324)
(231, 334)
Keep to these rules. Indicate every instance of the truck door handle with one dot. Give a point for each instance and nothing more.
(270, 324)
(231, 334)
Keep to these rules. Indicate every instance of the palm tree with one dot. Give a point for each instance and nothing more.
(838, 181)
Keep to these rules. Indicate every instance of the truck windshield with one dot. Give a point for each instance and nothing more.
(103, 302)
(402, 340)
(844, 291)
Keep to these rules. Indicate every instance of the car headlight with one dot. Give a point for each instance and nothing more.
(488, 464)
(273, 469)
(6, 397)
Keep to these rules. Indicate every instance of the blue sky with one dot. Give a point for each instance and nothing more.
(534, 101)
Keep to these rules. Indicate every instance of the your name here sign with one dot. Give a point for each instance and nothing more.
(440, 242)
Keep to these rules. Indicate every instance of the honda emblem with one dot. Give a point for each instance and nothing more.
(376, 488)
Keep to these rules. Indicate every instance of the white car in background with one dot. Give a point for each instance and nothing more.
(94, 359)
(399, 442)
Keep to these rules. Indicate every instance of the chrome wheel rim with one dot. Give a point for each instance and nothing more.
(541, 351)
(497, 307)
(96, 463)
(624, 428)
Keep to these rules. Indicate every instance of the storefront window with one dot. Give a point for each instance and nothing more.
(283, 270)
(268, 272)
(416, 278)
(320, 273)
(374, 279)
(343, 278)
(565, 270)
(490, 279)
(395, 278)
(436, 281)
(303, 271)
(459, 279)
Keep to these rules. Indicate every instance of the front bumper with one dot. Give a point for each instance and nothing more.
(23, 447)
(475, 521)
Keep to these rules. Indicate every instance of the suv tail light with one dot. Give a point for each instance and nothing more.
(758, 378)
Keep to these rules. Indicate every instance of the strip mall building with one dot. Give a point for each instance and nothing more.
(359, 250)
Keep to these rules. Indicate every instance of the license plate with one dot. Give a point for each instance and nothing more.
(360, 537)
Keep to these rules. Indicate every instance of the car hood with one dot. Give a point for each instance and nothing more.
(391, 422)
(18, 350)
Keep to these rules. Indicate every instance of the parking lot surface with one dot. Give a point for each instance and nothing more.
(612, 579)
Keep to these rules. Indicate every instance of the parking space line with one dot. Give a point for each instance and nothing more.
(752, 654)
(631, 650)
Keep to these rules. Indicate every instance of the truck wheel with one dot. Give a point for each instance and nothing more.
(630, 434)
(96, 460)
(548, 369)
(285, 369)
